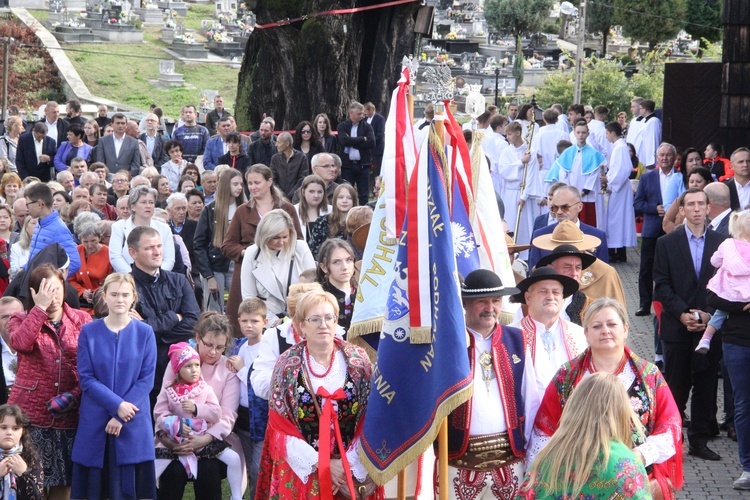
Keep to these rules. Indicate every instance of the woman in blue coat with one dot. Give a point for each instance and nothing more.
(113, 454)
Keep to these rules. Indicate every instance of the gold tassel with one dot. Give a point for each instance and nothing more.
(413, 452)
(420, 335)
(366, 327)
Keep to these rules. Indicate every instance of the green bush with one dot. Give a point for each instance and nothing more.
(604, 83)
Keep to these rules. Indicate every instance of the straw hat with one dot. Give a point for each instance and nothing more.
(566, 233)
(512, 247)
(359, 237)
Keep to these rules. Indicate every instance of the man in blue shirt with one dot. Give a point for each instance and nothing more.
(51, 229)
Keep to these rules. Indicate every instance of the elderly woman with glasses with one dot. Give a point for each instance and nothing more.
(142, 202)
(319, 382)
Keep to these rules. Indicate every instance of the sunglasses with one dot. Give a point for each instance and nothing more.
(564, 208)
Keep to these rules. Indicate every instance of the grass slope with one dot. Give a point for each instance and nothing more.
(122, 72)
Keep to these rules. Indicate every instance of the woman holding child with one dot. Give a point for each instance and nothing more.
(213, 333)
(116, 363)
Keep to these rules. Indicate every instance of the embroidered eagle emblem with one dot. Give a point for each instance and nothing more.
(463, 243)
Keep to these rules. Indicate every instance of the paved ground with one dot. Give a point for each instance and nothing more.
(703, 479)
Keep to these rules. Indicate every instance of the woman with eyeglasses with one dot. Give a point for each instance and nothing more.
(273, 263)
(306, 140)
(213, 334)
(319, 379)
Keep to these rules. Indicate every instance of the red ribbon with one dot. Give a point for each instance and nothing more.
(334, 12)
(324, 445)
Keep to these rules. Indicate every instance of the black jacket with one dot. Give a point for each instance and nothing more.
(26, 160)
(364, 141)
(208, 258)
(62, 130)
(160, 301)
(736, 328)
(258, 152)
(378, 128)
(676, 285)
(239, 162)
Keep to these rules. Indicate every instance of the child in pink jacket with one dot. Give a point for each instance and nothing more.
(188, 407)
(732, 279)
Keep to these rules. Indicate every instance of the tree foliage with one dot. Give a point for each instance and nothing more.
(703, 20)
(600, 17)
(517, 18)
(605, 83)
(651, 21)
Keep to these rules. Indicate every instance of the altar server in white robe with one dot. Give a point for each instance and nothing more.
(511, 167)
(620, 212)
(493, 147)
(549, 136)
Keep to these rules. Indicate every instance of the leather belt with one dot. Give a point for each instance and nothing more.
(486, 452)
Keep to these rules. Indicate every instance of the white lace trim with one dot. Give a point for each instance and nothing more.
(352, 454)
(301, 457)
(537, 442)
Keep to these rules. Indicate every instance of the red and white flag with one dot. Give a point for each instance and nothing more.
(399, 157)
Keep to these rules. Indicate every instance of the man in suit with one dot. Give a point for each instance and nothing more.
(118, 150)
(648, 201)
(217, 145)
(35, 153)
(377, 122)
(358, 140)
(154, 141)
(566, 205)
(719, 207)
(739, 186)
(215, 115)
(682, 268)
(548, 218)
(57, 129)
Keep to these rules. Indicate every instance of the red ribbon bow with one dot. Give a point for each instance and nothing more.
(324, 445)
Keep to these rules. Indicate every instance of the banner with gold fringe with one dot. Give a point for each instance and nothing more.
(376, 273)
(416, 385)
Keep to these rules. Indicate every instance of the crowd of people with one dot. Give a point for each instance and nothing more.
(176, 308)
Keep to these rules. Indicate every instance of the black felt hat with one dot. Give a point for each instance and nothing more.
(570, 286)
(484, 283)
(564, 251)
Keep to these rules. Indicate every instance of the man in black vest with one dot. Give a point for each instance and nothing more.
(487, 435)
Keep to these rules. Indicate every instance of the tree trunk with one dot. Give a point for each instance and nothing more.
(605, 35)
(320, 65)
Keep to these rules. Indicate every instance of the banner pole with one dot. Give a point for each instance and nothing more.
(443, 459)
(401, 495)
